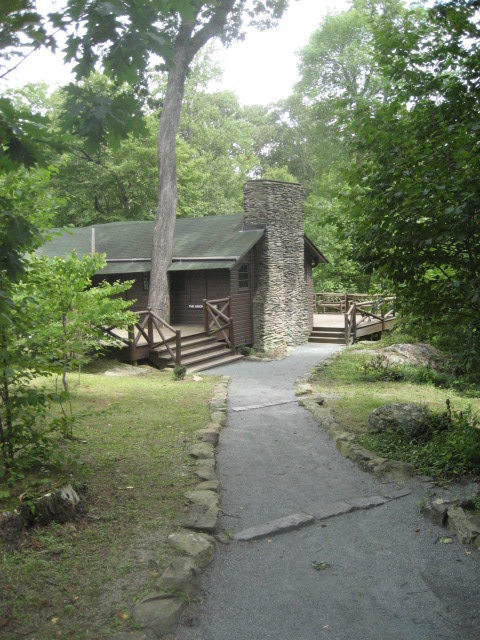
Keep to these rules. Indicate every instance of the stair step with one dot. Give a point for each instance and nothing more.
(326, 340)
(327, 334)
(330, 329)
(188, 349)
(193, 360)
(215, 363)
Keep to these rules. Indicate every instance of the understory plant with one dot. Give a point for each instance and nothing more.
(53, 325)
(447, 445)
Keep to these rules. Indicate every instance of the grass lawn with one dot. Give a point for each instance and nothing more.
(79, 580)
(353, 394)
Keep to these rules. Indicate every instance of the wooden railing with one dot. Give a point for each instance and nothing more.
(148, 322)
(377, 310)
(217, 318)
(340, 302)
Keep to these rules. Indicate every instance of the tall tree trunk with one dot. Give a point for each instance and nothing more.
(162, 246)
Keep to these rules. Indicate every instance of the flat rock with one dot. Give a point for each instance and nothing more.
(322, 511)
(295, 521)
(218, 404)
(465, 526)
(208, 485)
(202, 450)
(219, 417)
(199, 546)
(398, 471)
(303, 389)
(415, 354)
(206, 462)
(368, 502)
(210, 436)
(406, 417)
(208, 499)
(181, 576)
(199, 518)
(159, 612)
(207, 474)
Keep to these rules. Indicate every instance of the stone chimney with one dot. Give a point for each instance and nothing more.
(280, 306)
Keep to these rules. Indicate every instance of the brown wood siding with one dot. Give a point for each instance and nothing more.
(199, 285)
(242, 301)
(309, 284)
(136, 291)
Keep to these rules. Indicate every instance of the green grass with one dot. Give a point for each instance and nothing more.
(79, 581)
(355, 390)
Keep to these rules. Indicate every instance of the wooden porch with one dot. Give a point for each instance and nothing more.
(346, 318)
(194, 346)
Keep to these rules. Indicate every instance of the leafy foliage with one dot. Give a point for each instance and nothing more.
(416, 206)
(447, 446)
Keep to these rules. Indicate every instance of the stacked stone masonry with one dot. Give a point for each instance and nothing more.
(280, 306)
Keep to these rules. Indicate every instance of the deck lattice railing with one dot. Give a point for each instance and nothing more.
(217, 319)
(381, 309)
(148, 323)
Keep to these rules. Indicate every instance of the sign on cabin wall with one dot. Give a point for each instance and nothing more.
(195, 306)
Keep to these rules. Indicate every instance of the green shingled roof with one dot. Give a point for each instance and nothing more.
(214, 238)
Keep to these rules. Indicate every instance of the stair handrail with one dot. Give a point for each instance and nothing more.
(215, 320)
(351, 324)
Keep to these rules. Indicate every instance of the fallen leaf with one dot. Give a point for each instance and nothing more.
(468, 553)
(123, 616)
(35, 544)
(446, 540)
(269, 540)
(323, 526)
(129, 487)
(320, 566)
(45, 603)
(416, 530)
(54, 620)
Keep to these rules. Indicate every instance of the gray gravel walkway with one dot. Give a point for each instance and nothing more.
(388, 576)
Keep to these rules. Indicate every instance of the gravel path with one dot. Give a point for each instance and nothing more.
(386, 577)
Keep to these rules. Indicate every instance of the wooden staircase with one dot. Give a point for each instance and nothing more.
(328, 335)
(198, 353)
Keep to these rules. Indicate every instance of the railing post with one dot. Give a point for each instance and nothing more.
(383, 319)
(230, 306)
(345, 302)
(347, 329)
(354, 321)
(178, 348)
(231, 334)
(205, 317)
(131, 340)
(150, 326)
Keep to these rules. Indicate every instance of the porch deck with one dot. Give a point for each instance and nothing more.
(186, 329)
(331, 327)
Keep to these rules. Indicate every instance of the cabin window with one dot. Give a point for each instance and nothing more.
(244, 277)
(146, 281)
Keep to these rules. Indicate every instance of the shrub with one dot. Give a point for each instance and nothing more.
(244, 350)
(179, 373)
(448, 446)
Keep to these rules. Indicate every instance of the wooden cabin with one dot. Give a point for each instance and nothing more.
(260, 259)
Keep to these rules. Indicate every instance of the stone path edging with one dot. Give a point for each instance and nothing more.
(347, 445)
(315, 513)
(161, 610)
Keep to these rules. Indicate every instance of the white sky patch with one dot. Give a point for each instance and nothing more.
(261, 69)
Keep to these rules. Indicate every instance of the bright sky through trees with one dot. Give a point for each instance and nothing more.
(260, 70)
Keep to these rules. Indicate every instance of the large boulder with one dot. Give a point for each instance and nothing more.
(405, 417)
(417, 354)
